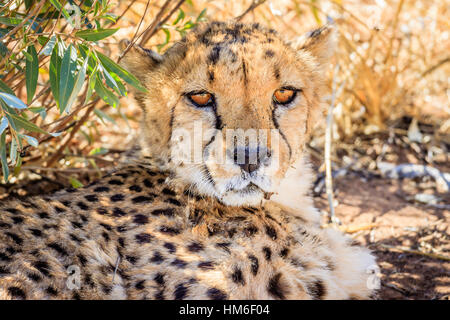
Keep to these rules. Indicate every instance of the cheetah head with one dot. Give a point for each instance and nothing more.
(230, 107)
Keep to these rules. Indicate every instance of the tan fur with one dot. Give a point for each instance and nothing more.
(158, 228)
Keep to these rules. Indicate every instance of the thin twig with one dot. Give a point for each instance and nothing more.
(409, 250)
(255, 3)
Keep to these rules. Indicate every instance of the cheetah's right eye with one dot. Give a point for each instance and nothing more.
(201, 99)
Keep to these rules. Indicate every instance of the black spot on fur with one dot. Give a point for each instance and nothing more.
(159, 279)
(164, 212)
(17, 293)
(216, 294)
(115, 182)
(34, 277)
(91, 198)
(143, 238)
(210, 75)
(82, 259)
(43, 267)
(13, 211)
(117, 197)
(168, 192)
(169, 230)
(317, 289)
(101, 189)
(170, 246)
(55, 246)
(269, 53)
(250, 230)
(254, 264)
(4, 257)
(179, 263)
(224, 246)
(206, 265)
(148, 183)
(284, 252)
(140, 219)
(51, 291)
(36, 232)
(140, 285)
(43, 215)
(18, 240)
(118, 212)
(237, 276)
(275, 288)
(82, 205)
(135, 188)
(59, 209)
(141, 199)
(270, 231)
(180, 292)
(173, 201)
(102, 211)
(131, 259)
(106, 226)
(195, 247)
(214, 55)
(17, 220)
(267, 253)
(157, 258)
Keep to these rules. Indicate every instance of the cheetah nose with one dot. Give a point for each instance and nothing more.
(250, 159)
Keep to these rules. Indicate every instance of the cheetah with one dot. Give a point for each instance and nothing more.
(163, 227)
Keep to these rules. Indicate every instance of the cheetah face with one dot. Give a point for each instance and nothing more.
(230, 107)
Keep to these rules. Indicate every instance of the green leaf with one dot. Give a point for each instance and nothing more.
(54, 70)
(5, 88)
(98, 151)
(41, 110)
(95, 34)
(78, 85)
(91, 84)
(3, 124)
(31, 73)
(4, 162)
(75, 183)
(12, 101)
(67, 77)
(32, 141)
(47, 50)
(180, 17)
(121, 72)
(13, 151)
(58, 6)
(9, 21)
(105, 94)
(27, 125)
(201, 16)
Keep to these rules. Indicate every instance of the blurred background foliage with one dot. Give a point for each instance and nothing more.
(65, 116)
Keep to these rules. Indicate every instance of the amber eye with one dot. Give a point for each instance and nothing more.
(201, 99)
(284, 95)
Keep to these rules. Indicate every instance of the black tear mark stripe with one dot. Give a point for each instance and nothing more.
(277, 126)
(275, 287)
(244, 71)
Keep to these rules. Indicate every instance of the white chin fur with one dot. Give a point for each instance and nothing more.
(238, 198)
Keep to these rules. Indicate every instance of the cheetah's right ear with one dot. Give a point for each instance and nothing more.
(137, 60)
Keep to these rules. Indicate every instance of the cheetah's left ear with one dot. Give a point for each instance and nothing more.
(139, 61)
(320, 43)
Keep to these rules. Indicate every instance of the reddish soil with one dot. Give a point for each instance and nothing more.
(378, 214)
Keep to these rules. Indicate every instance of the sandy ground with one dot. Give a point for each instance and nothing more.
(378, 214)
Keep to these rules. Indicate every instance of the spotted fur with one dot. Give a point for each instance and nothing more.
(161, 229)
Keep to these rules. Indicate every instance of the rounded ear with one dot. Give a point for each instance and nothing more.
(320, 43)
(137, 60)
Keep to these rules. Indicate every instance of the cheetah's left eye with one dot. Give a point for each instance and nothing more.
(284, 95)
(201, 99)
